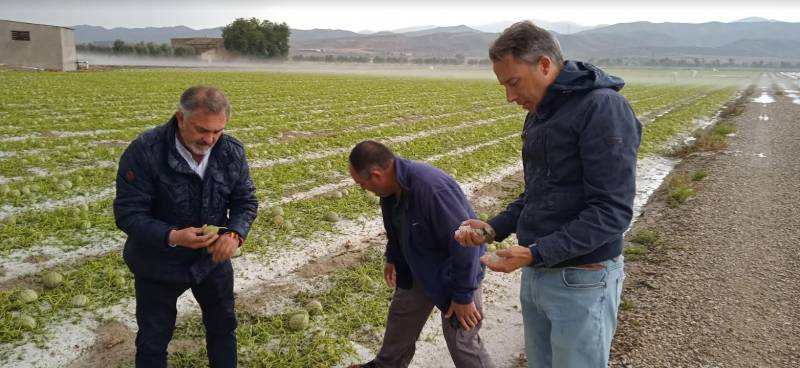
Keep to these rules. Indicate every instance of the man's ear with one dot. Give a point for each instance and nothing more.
(376, 175)
(546, 64)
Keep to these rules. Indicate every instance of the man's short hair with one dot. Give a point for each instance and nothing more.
(370, 155)
(526, 42)
(204, 97)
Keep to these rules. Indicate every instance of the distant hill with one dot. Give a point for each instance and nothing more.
(755, 19)
(87, 34)
(557, 27)
(750, 38)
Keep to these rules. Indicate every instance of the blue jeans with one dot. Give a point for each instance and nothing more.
(570, 314)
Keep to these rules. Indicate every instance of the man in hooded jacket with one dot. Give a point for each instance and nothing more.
(580, 143)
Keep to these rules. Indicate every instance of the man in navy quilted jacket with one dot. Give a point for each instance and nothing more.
(172, 182)
(579, 146)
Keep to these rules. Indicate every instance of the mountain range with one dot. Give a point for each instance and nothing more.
(747, 39)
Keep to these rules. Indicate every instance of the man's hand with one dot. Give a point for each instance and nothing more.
(390, 274)
(467, 314)
(224, 248)
(192, 237)
(473, 238)
(508, 260)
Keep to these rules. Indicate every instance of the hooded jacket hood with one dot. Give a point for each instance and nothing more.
(577, 77)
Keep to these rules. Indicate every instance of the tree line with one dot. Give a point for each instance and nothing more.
(120, 47)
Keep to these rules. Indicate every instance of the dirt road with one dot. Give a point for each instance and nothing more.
(721, 286)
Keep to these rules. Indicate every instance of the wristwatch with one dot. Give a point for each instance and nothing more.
(171, 245)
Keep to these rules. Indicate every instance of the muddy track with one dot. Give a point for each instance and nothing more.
(719, 288)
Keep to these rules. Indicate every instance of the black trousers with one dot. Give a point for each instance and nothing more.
(156, 312)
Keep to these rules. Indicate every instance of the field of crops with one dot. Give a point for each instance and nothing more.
(62, 134)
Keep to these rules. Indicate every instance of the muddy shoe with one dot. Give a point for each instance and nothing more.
(369, 364)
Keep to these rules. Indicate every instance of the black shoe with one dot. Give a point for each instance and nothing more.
(370, 364)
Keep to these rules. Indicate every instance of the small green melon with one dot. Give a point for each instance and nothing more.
(314, 307)
(213, 229)
(298, 321)
(27, 322)
(79, 300)
(27, 296)
(52, 279)
(331, 217)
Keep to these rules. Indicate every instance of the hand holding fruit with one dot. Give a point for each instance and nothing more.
(474, 233)
(509, 259)
(192, 237)
(223, 248)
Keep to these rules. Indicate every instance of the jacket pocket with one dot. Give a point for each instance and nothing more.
(221, 192)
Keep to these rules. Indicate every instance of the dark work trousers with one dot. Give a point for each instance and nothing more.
(156, 311)
(408, 312)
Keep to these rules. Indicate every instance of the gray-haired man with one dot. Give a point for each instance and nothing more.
(174, 180)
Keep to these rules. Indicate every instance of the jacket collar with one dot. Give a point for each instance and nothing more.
(401, 167)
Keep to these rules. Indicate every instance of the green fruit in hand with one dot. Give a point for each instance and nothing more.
(27, 296)
(314, 307)
(298, 321)
(213, 229)
(52, 279)
(331, 217)
(491, 248)
(25, 321)
(79, 300)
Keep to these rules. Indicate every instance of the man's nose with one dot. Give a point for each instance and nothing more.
(510, 95)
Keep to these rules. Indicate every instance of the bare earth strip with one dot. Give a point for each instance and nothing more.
(720, 287)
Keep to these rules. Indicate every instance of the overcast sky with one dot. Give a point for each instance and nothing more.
(384, 15)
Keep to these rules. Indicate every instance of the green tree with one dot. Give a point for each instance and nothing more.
(257, 38)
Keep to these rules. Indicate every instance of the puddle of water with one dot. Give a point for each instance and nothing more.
(764, 98)
(650, 172)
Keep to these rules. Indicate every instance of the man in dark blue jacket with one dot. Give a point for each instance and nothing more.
(174, 180)
(422, 206)
(580, 142)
